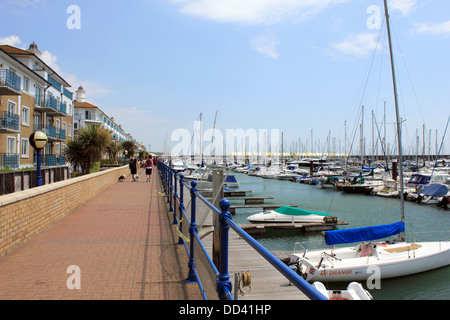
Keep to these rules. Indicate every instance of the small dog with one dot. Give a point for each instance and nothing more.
(137, 178)
(122, 178)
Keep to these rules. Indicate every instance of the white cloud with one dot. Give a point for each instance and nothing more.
(434, 28)
(359, 45)
(253, 11)
(403, 6)
(266, 45)
(10, 40)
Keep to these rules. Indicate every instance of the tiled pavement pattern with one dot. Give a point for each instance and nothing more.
(123, 243)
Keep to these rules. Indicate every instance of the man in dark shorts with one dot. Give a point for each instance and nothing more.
(148, 168)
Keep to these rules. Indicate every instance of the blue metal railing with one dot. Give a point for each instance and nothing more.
(9, 121)
(9, 161)
(9, 79)
(223, 287)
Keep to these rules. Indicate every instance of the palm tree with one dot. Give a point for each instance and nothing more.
(130, 147)
(88, 147)
(112, 150)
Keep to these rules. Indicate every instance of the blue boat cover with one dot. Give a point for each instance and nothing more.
(363, 234)
(231, 179)
(435, 190)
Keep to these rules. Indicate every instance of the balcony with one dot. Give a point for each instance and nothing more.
(9, 83)
(8, 160)
(9, 122)
(51, 160)
(53, 133)
(51, 106)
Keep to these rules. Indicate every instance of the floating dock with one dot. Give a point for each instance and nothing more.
(261, 228)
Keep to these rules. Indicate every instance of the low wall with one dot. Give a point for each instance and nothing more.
(26, 213)
(19, 180)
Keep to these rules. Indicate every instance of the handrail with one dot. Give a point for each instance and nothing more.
(169, 179)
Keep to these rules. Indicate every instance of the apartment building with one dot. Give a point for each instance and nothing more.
(32, 97)
(86, 114)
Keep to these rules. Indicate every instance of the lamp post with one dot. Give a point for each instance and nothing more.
(38, 140)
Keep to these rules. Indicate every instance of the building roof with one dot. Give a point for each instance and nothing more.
(84, 105)
(13, 51)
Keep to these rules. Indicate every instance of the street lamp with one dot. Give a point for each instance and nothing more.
(125, 152)
(38, 140)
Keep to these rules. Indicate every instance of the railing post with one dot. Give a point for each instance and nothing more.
(180, 208)
(224, 285)
(192, 228)
(169, 198)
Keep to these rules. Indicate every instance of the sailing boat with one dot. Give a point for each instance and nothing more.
(386, 259)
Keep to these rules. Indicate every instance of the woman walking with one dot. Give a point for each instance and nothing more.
(133, 168)
(148, 167)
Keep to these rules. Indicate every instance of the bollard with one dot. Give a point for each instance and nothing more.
(224, 285)
(192, 228)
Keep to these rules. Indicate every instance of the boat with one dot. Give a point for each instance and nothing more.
(359, 263)
(432, 194)
(196, 174)
(372, 257)
(389, 189)
(178, 165)
(354, 291)
(288, 214)
(328, 182)
(231, 182)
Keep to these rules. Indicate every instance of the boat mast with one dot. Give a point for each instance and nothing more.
(399, 130)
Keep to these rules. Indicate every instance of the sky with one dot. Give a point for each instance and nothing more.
(302, 67)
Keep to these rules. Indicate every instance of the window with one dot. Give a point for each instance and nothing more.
(37, 122)
(11, 107)
(38, 96)
(25, 148)
(70, 130)
(25, 116)
(11, 145)
(26, 84)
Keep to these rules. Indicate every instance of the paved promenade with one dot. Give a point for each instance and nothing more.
(122, 246)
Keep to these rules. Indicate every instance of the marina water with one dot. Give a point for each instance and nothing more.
(424, 222)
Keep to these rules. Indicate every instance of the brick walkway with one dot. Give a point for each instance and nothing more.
(123, 243)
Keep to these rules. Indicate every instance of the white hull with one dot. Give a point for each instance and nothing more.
(348, 264)
(275, 217)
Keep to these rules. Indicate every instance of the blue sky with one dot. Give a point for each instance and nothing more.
(292, 65)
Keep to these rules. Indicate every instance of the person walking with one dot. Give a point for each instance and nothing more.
(133, 168)
(148, 167)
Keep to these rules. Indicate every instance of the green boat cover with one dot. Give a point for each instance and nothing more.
(299, 212)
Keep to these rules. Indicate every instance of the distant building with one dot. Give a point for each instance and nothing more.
(88, 114)
(32, 97)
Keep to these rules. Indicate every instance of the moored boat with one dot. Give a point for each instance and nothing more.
(287, 214)
(370, 258)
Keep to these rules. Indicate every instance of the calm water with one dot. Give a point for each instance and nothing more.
(423, 222)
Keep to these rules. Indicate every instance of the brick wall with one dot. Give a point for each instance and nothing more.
(26, 213)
